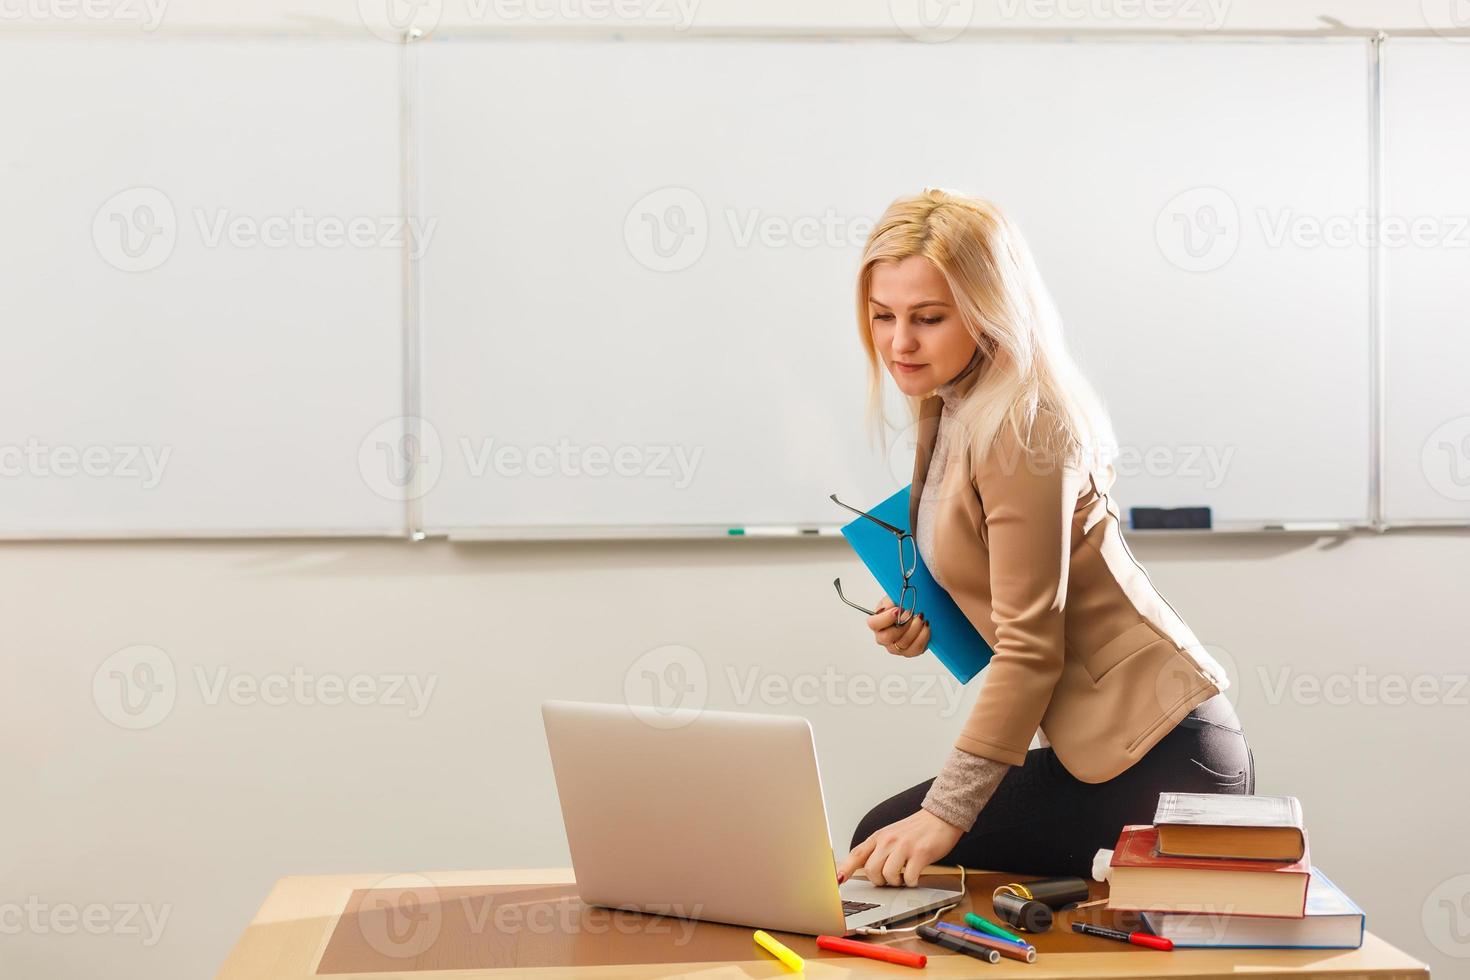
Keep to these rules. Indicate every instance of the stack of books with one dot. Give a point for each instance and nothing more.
(1222, 871)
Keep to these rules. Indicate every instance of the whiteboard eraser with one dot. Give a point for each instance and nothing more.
(1169, 518)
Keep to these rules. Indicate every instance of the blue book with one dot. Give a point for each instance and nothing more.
(1332, 921)
(957, 644)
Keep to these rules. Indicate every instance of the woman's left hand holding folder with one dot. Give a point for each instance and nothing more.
(908, 640)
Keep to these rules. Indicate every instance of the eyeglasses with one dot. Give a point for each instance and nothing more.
(908, 560)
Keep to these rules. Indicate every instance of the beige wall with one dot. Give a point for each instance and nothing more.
(195, 816)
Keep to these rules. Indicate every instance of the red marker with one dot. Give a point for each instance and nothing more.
(1136, 938)
(885, 953)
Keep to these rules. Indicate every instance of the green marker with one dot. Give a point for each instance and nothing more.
(985, 925)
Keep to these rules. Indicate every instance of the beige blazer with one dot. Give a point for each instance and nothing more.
(1084, 646)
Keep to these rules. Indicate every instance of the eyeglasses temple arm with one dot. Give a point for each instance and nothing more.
(837, 584)
(862, 513)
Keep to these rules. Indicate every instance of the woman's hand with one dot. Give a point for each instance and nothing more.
(898, 853)
(908, 640)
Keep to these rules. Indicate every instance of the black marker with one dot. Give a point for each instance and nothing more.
(950, 941)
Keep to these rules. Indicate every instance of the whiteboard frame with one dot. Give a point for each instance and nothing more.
(1377, 278)
(413, 360)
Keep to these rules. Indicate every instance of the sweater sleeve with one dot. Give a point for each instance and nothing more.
(963, 787)
(1029, 500)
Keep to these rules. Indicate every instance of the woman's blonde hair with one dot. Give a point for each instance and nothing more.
(1003, 304)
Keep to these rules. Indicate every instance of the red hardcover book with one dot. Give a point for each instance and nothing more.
(1144, 880)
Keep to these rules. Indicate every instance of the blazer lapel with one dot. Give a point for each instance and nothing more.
(927, 428)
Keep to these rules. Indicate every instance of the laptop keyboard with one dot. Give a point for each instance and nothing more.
(853, 908)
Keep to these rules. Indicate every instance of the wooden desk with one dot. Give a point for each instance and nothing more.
(512, 925)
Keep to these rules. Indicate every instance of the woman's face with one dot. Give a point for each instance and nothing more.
(916, 326)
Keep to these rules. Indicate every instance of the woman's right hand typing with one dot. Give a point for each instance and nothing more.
(908, 640)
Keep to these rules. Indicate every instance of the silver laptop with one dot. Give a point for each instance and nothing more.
(708, 815)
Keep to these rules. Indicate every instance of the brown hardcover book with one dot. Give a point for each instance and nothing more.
(1219, 825)
(1141, 879)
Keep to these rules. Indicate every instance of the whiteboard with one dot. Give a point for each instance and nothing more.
(646, 249)
(1427, 268)
(183, 354)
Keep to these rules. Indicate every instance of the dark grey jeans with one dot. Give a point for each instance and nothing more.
(1042, 820)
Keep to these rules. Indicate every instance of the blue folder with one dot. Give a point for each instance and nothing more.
(957, 644)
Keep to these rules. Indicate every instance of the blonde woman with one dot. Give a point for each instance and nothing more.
(1011, 514)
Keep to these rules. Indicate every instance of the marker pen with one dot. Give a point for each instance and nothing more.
(1136, 938)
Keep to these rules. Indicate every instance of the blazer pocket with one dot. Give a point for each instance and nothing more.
(1133, 640)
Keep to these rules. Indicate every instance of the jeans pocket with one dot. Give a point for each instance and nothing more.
(1227, 777)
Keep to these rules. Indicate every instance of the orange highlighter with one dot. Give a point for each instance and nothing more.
(887, 954)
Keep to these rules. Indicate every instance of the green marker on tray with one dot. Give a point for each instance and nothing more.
(985, 925)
